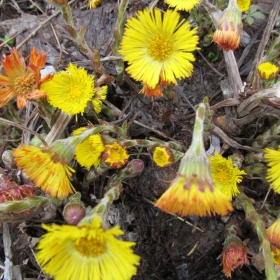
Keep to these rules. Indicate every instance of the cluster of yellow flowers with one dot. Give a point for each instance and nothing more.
(158, 48)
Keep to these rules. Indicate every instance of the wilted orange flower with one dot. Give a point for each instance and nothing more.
(20, 80)
(229, 31)
(234, 255)
(10, 190)
(152, 92)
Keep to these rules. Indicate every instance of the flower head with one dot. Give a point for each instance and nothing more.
(186, 5)
(243, 5)
(115, 155)
(70, 90)
(192, 192)
(158, 47)
(22, 81)
(100, 94)
(97, 251)
(225, 175)
(46, 168)
(229, 31)
(272, 158)
(268, 71)
(276, 254)
(273, 233)
(93, 3)
(163, 156)
(88, 152)
(234, 255)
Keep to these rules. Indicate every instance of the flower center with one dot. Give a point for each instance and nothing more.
(222, 175)
(90, 248)
(160, 48)
(74, 91)
(25, 83)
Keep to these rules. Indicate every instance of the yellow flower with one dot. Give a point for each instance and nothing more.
(94, 3)
(115, 155)
(268, 71)
(158, 47)
(22, 81)
(186, 5)
(86, 252)
(243, 5)
(88, 153)
(225, 176)
(192, 192)
(100, 94)
(45, 168)
(229, 31)
(70, 90)
(272, 158)
(273, 233)
(163, 156)
(234, 255)
(276, 254)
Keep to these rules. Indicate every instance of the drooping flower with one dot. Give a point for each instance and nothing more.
(268, 71)
(115, 155)
(70, 90)
(273, 233)
(74, 212)
(22, 81)
(185, 5)
(225, 175)
(192, 192)
(158, 48)
(163, 156)
(234, 255)
(47, 168)
(87, 251)
(94, 3)
(100, 94)
(243, 5)
(88, 152)
(272, 158)
(229, 31)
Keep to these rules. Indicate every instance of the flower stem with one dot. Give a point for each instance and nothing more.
(257, 224)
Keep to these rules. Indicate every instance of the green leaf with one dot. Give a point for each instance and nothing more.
(11, 42)
(252, 10)
(258, 15)
(249, 20)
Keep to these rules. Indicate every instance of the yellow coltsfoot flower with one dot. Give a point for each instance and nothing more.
(86, 252)
(192, 192)
(225, 175)
(115, 155)
(45, 167)
(272, 157)
(268, 71)
(158, 47)
(70, 90)
(163, 156)
(94, 3)
(185, 5)
(88, 153)
(243, 5)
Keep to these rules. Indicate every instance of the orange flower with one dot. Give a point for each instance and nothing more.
(229, 31)
(234, 255)
(273, 233)
(151, 92)
(22, 81)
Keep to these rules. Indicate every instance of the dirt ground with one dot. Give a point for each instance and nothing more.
(170, 248)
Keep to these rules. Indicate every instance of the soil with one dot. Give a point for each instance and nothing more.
(170, 248)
